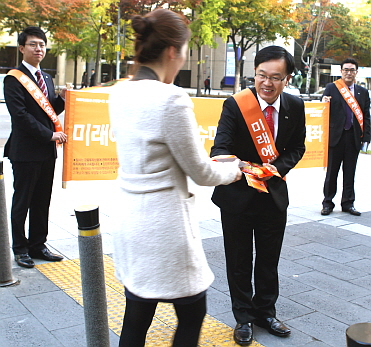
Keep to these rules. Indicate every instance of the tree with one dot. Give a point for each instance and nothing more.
(82, 47)
(14, 17)
(102, 15)
(350, 37)
(204, 27)
(313, 15)
(61, 19)
(252, 22)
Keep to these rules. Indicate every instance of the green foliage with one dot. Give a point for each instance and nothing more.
(14, 15)
(312, 82)
(350, 37)
(207, 23)
(251, 22)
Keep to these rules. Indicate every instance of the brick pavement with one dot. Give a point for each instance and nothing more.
(325, 268)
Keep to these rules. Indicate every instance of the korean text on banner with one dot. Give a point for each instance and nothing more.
(316, 142)
(90, 153)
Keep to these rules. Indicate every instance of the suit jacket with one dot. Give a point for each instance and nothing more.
(233, 137)
(32, 129)
(338, 114)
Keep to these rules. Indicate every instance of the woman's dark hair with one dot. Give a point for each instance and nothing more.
(155, 32)
(275, 53)
(31, 31)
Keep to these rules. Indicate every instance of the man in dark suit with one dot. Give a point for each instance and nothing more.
(31, 149)
(247, 213)
(345, 139)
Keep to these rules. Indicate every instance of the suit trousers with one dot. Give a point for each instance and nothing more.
(33, 182)
(347, 153)
(265, 223)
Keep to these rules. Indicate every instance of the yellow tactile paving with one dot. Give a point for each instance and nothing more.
(66, 275)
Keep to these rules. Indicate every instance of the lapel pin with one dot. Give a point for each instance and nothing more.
(286, 117)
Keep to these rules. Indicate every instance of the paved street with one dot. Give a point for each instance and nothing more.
(325, 268)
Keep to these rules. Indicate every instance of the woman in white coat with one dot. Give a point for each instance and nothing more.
(158, 250)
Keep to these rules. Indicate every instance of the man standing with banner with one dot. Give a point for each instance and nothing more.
(260, 125)
(349, 129)
(31, 147)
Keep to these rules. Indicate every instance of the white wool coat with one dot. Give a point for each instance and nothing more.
(158, 250)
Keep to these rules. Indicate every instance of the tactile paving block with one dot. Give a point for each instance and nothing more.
(66, 275)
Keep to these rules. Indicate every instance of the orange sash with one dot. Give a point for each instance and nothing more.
(257, 125)
(350, 100)
(38, 96)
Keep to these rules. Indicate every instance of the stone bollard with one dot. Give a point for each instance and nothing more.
(359, 335)
(6, 278)
(92, 276)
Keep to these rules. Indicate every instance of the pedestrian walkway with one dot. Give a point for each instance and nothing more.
(325, 271)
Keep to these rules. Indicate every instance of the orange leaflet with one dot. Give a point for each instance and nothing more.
(258, 170)
(253, 172)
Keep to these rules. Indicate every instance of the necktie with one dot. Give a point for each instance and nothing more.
(269, 118)
(348, 120)
(41, 83)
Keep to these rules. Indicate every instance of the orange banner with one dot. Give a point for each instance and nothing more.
(316, 142)
(90, 153)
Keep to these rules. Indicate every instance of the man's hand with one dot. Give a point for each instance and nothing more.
(59, 136)
(326, 98)
(269, 177)
(62, 93)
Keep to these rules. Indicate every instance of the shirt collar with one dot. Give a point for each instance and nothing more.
(31, 68)
(264, 104)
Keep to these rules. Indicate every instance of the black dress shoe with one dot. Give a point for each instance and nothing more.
(243, 334)
(45, 254)
(352, 211)
(24, 260)
(273, 326)
(326, 211)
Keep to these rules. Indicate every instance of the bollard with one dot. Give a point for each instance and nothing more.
(6, 278)
(359, 335)
(92, 277)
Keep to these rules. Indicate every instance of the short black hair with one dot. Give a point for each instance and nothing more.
(275, 53)
(31, 31)
(349, 61)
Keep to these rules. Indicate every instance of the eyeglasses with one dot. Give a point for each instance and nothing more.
(273, 79)
(33, 45)
(349, 70)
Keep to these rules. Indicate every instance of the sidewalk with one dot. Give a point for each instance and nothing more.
(325, 270)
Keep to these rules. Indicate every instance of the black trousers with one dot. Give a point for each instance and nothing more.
(346, 153)
(138, 318)
(264, 223)
(33, 182)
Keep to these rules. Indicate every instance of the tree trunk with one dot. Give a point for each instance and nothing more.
(317, 74)
(198, 71)
(75, 72)
(237, 76)
(309, 77)
(97, 62)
